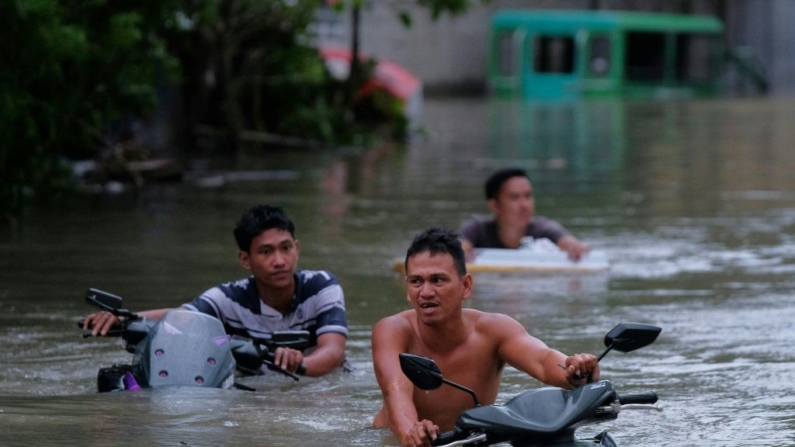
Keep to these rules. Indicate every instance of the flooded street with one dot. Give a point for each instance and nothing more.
(693, 202)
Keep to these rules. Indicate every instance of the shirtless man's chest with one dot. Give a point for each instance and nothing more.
(473, 364)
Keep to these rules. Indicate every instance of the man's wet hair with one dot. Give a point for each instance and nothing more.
(260, 218)
(495, 181)
(438, 240)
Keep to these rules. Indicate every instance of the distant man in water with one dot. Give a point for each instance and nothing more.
(509, 196)
(275, 297)
(469, 346)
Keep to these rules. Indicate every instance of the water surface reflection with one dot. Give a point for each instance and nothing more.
(694, 203)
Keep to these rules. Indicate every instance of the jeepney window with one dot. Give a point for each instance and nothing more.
(599, 62)
(553, 54)
(645, 57)
(694, 58)
(505, 54)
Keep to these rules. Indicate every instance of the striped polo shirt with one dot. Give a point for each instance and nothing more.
(318, 307)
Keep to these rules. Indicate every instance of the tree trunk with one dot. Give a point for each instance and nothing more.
(354, 75)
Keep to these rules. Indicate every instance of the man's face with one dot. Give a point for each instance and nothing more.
(273, 258)
(435, 290)
(515, 204)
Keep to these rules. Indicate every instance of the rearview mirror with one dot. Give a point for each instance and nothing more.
(627, 337)
(109, 302)
(425, 375)
(103, 300)
(422, 371)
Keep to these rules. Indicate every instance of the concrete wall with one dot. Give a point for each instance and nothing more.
(449, 55)
(766, 27)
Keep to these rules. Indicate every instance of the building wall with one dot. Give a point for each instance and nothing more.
(449, 54)
(766, 27)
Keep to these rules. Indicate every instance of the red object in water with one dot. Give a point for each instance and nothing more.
(389, 75)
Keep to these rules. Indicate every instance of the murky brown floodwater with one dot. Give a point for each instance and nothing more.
(694, 202)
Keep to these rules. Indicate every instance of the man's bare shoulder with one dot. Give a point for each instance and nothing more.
(399, 322)
(478, 316)
(490, 322)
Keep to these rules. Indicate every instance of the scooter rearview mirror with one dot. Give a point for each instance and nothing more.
(425, 375)
(422, 371)
(108, 302)
(103, 300)
(627, 337)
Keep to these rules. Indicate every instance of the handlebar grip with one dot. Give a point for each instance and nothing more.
(646, 397)
(115, 331)
(449, 436)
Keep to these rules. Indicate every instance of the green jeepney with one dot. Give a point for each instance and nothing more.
(572, 54)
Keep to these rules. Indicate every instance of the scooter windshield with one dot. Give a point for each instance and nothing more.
(185, 348)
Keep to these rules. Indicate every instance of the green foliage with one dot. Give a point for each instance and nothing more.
(70, 67)
(71, 70)
(437, 8)
(249, 65)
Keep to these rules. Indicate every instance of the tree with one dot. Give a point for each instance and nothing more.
(71, 69)
(75, 70)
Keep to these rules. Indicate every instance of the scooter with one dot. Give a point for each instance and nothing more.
(185, 348)
(545, 416)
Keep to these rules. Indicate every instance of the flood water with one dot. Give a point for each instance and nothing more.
(693, 202)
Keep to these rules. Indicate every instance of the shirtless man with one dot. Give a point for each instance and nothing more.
(469, 346)
(509, 196)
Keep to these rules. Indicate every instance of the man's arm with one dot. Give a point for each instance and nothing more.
(329, 355)
(332, 326)
(467, 232)
(389, 339)
(101, 322)
(529, 354)
(573, 246)
(469, 249)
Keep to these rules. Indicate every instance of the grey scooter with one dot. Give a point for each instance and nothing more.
(545, 416)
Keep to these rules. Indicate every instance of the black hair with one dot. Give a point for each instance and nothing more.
(496, 180)
(438, 240)
(260, 218)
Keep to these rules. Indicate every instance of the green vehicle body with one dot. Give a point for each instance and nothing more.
(575, 54)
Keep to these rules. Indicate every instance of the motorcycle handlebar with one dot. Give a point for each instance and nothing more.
(646, 397)
(449, 437)
(251, 356)
(115, 331)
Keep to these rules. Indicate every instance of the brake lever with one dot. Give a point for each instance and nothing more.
(474, 438)
(278, 368)
(80, 322)
(268, 356)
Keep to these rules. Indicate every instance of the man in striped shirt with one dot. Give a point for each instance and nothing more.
(275, 297)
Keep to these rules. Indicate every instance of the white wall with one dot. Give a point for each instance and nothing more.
(450, 54)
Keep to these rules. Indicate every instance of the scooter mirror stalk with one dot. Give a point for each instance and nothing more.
(425, 374)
